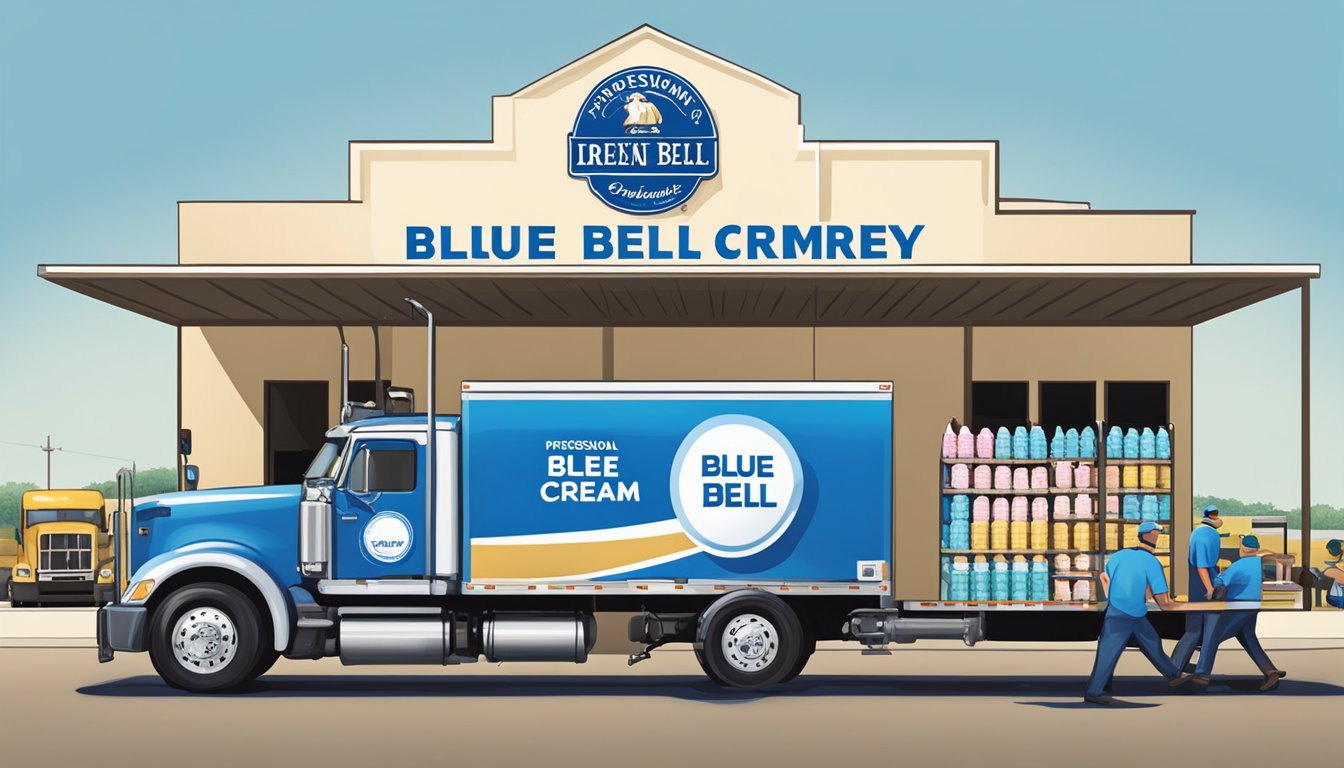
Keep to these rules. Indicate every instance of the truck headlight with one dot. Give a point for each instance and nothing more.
(23, 571)
(105, 573)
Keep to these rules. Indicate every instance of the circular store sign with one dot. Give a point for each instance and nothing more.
(387, 537)
(644, 139)
(736, 485)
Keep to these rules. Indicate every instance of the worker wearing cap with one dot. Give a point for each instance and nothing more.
(1243, 581)
(1131, 575)
(1334, 569)
(1203, 561)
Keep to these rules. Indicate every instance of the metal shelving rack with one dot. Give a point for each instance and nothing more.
(1102, 494)
(1097, 521)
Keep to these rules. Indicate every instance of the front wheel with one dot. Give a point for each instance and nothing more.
(752, 642)
(207, 638)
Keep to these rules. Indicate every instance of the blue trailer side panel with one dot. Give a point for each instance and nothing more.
(606, 486)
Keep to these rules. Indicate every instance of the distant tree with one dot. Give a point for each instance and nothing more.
(11, 496)
(148, 482)
(1323, 516)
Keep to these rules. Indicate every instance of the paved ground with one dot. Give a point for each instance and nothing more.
(929, 704)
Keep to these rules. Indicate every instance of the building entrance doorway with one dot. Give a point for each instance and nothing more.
(296, 424)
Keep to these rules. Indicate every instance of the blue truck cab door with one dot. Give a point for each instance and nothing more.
(379, 531)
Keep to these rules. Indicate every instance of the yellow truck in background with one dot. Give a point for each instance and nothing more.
(64, 550)
(9, 555)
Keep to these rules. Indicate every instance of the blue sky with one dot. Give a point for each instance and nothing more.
(110, 113)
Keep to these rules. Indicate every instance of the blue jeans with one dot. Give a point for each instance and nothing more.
(1116, 630)
(1195, 624)
(1238, 624)
(1335, 600)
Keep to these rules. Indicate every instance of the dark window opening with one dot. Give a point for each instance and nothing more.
(362, 391)
(1138, 404)
(997, 404)
(296, 426)
(1068, 405)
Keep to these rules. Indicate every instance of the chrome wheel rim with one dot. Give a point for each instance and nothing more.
(750, 642)
(205, 640)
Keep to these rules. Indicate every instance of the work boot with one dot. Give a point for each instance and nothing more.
(1195, 682)
(1272, 678)
(1101, 700)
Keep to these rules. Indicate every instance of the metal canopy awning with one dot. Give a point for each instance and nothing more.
(582, 295)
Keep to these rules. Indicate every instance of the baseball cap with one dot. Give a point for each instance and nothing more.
(1211, 510)
(1148, 527)
(1250, 541)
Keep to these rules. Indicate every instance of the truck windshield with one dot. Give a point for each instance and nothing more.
(91, 516)
(324, 463)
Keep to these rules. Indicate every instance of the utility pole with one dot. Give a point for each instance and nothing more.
(47, 449)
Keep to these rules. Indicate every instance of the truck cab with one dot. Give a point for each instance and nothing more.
(64, 550)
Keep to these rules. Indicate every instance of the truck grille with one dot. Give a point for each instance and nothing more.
(68, 553)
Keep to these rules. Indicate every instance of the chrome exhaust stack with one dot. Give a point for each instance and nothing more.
(431, 435)
(345, 376)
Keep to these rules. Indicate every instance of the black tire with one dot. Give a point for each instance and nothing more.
(710, 673)
(772, 623)
(809, 648)
(224, 631)
(265, 660)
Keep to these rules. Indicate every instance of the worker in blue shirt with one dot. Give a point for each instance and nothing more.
(1203, 561)
(1131, 575)
(1334, 570)
(1243, 581)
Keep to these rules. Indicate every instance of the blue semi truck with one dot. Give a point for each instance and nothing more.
(750, 520)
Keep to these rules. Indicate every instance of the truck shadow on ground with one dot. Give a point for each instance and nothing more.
(695, 688)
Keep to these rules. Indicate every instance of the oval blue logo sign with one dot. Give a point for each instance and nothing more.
(644, 139)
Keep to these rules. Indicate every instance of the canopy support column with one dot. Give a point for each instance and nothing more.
(967, 374)
(1306, 434)
(608, 353)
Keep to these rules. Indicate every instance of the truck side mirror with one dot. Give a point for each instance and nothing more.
(319, 489)
(184, 442)
(191, 476)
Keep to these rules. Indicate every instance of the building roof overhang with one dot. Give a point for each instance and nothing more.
(759, 295)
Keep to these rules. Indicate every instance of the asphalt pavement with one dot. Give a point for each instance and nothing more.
(929, 704)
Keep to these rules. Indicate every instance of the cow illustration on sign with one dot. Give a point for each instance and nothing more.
(652, 158)
(641, 115)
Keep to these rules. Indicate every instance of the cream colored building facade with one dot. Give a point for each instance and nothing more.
(944, 320)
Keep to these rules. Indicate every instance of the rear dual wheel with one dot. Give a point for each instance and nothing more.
(753, 641)
(809, 647)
